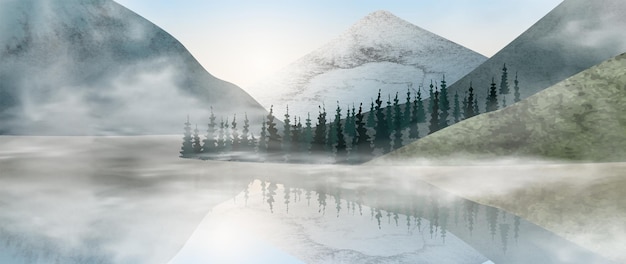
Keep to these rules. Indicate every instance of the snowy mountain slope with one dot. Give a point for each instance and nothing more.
(94, 67)
(381, 51)
(574, 36)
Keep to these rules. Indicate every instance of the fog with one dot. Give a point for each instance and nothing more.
(132, 200)
(95, 68)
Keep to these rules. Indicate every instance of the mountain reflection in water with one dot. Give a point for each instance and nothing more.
(326, 217)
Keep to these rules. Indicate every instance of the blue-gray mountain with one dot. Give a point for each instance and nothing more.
(574, 36)
(94, 67)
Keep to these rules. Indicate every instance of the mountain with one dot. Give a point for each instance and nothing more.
(580, 118)
(93, 67)
(574, 36)
(381, 51)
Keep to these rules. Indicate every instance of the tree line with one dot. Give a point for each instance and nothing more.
(354, 138)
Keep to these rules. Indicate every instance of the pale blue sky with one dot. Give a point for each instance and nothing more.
(242, 41)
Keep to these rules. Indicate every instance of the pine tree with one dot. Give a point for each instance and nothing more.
(415, 117)
(389, 118)
(307, 137)
(235, 134)
(471, 104)
(431, 98)
(220, 137)
(371, 127)
(341, 154)
(407, 114)
(504, 82)
(331, 139)
(349, 128)
(197, 145)
(361, 129)
(476, 110)
(434, 116)
(444, 104)
(457, 109)
(228, 142)
(398, 122)
(465, 106)
(492, 98)
(273, 139)
(246, 143)
(421, 112)
(382, 128)
(209, 143)
(286, 144)
(517, 94)
(319, 138)
(352, 133)
(296, 134)
(187, 150)
(263, 136)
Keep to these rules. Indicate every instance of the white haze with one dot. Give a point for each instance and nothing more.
(94, 68)
(132, 200)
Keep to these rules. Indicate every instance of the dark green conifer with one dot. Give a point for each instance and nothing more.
(398, 123)
(421, 112)
(263, 137)
(235, 134)
(307, 137)
(361, 129)
(444, 104)
(187, 150)
(407, 114)
(319, 138)
(517, 94)
(273, 139)
(471, 104)
(197, 145)
(476, 110)
(342, 153)
(382, 128)
(457, 108)
(220, 137)
(389, 118)
(296, 134)
(416, 115)
(286, 144)
(492, 98)
(209, 143)
(228, 142)
(245, 140)
(431, 97)
(504, 81)
(434, 116)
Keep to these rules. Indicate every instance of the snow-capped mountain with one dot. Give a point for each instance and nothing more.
(381, 51)
(574, 36)
(94, 67)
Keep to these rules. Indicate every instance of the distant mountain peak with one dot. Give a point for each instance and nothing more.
(379, 19)
(379, 51)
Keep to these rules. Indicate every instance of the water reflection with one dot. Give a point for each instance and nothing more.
(496, 234)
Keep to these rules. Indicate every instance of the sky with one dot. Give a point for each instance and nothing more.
(245, 41)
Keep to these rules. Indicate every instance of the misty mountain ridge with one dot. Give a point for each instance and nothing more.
(573, 37)
(581, 118)
(380, 51)
(92, 67)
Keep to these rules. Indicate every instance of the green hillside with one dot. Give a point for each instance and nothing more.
(580, 118)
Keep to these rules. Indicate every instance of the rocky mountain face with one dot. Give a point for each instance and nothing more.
(92, 67)
(574, 36)
(381, 51)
